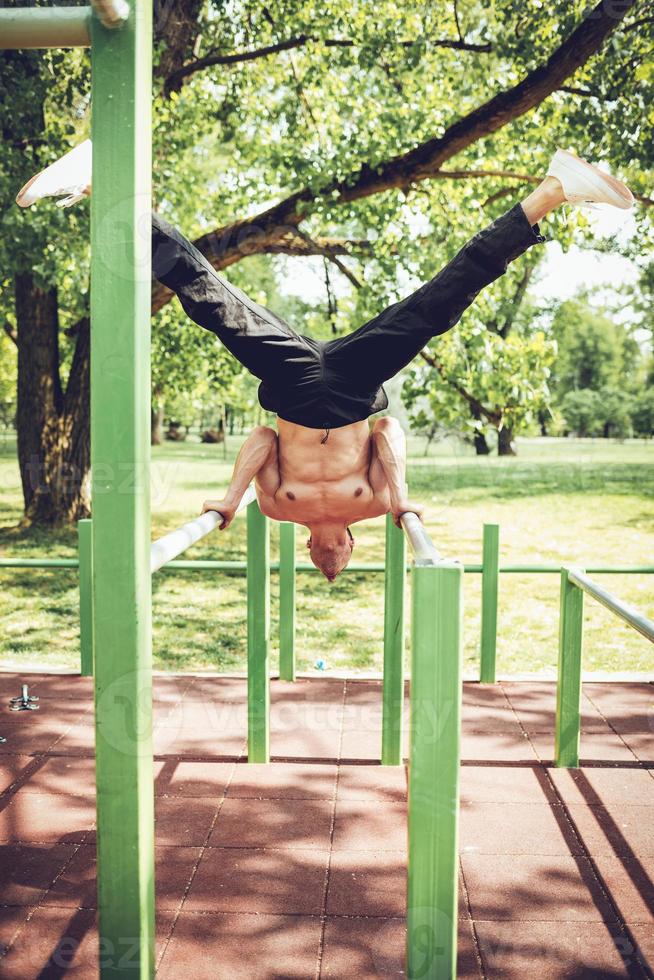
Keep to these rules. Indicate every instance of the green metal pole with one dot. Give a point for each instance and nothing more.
(258, 600)
(45, 27)
(393, 692)
(120, 440)
(85, 551)
(436, 671)
(489, 591)
(287, 601)
(568, 691)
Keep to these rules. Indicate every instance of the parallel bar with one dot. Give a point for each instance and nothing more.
(120, 440)
(489, 594)
(45, 27)
(434, 772)
(170, 545)
(85, 548)
(422, 547)
(258, 602)
(393, 685)
(622, 609)
(287, 601)
(568, 690)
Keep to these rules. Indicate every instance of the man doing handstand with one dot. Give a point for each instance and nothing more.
(324, 467)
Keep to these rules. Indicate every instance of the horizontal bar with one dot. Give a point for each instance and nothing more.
(173, 544)
(45, 27)
(423, 548)
(626, 612)
(213, 564)
(556, 569)
(39, 563)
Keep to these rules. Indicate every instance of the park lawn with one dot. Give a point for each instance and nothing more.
(584, 502)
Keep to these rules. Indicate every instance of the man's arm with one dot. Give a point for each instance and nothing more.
(389, 452)
(258, 457)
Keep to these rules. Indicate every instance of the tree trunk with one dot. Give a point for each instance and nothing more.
(52, 424)
(481, 446)
(479, 439)
(505, 445)
(156, 421)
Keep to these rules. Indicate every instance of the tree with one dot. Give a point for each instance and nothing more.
(343, 124)
(582, 410)
(504, 383)
(593, 350)
(642, 413)
(44, 263)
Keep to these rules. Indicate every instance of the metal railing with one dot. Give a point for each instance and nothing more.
(58, 27)
(574, 583)
(287, 566)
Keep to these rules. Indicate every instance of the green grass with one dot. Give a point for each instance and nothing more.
(586, 502)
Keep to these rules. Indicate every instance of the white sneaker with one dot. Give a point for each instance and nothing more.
(70, 175)
(586, 185)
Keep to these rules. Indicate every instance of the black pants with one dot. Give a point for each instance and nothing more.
(326, 384)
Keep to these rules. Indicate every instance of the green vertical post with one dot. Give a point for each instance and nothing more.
(436, 670)
(287, 601)
(393, 693)
(258, 602)
(568, 689)
(489, 591)
(85, 555)
(120, 441)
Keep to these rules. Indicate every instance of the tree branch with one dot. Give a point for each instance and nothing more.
(572, 90)
(511, 175)
(494, 417)
(259, 233)
(11, 333)
(176, 79)
(425, 160)
(330, 254)
(295, 243)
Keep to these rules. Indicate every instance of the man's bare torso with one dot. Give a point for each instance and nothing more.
(339, 476)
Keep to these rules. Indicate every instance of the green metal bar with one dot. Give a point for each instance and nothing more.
(120, 439)
(218, 564)
(595, 569)
(568, 689)
(85, 546)
(258, 600)
(45, 27)
(287, 601)
(436, 671)
(393, 689)
(489, 593)
(627, 613)
(39, 563)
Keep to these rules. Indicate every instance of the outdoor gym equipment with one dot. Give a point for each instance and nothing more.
(24, 701)
(116, 557)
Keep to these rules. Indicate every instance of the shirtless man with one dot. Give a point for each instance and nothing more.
(324, 467)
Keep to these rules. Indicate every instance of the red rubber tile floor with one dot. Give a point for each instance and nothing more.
(297, 869)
